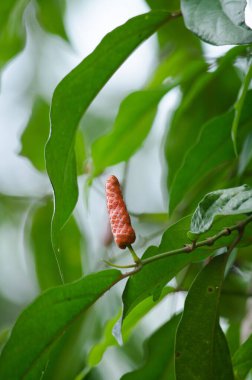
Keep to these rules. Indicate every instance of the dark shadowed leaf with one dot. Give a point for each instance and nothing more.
(201, 348)
(242, 359)
(159, 355)
(208, 20)
(73, 96)
(233, 337)
(234, 201)
(43, 322)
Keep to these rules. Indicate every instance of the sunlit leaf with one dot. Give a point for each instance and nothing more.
(73, 96)
(44, 321)
(201, 348)
(237, 200)
(209, 21)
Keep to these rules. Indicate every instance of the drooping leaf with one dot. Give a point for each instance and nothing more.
(154, 276)
(234, 201)
(70, 249)
(12, 30)
(242, 359)
(36, 133)
(129, 324)
(205, 96)
(209, 21)
(201, 348)
(210, 159)
(72, 97)
(44, 321)
(239, 105)
(50, 14)
(159, 357)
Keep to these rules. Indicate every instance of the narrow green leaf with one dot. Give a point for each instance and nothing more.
(208, 20)
(239, 105)
(245, 156)
(242, 359)
(132, 125)
(12, 30)
(234, 201)
(44, 321)
(233, 337)
(50, 14)
(201, 349)
(70, 249)
(155, 276)
(36, 133)
(159, 356)
(72, 97)
(206, 95)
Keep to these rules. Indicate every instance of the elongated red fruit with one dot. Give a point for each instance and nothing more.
(119, 217)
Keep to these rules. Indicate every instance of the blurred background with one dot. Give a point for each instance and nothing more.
(53, 37)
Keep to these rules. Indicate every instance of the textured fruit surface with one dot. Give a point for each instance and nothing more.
(119, 217)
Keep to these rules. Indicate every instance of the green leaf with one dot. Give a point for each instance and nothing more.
(242, 359)
(201, 349)
(129, 324)
(239, 105)
(70, 249)
(206, 95)
(234, 201)
(72, 97)
(12, 30)
(208, 20)
(155, 275)
(171, 5)
(132, 125)
(246, 154)
(50, 14)
(159, 355)
(36, 133)
(233, 337)
(44, 321)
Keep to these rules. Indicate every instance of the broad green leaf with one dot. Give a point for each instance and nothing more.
(44, 321)
(204, 96)
(72, 97)
(50, 14)
(237, 200)
(12, 30)
(132, 125)
(159, 355)
(154, 276)
(208, 20)
(171, 5)
(242, 359)
(4, 335)
(239, 105)
(201, 349)
(70, 249)
(129, 324)
(36, 133)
